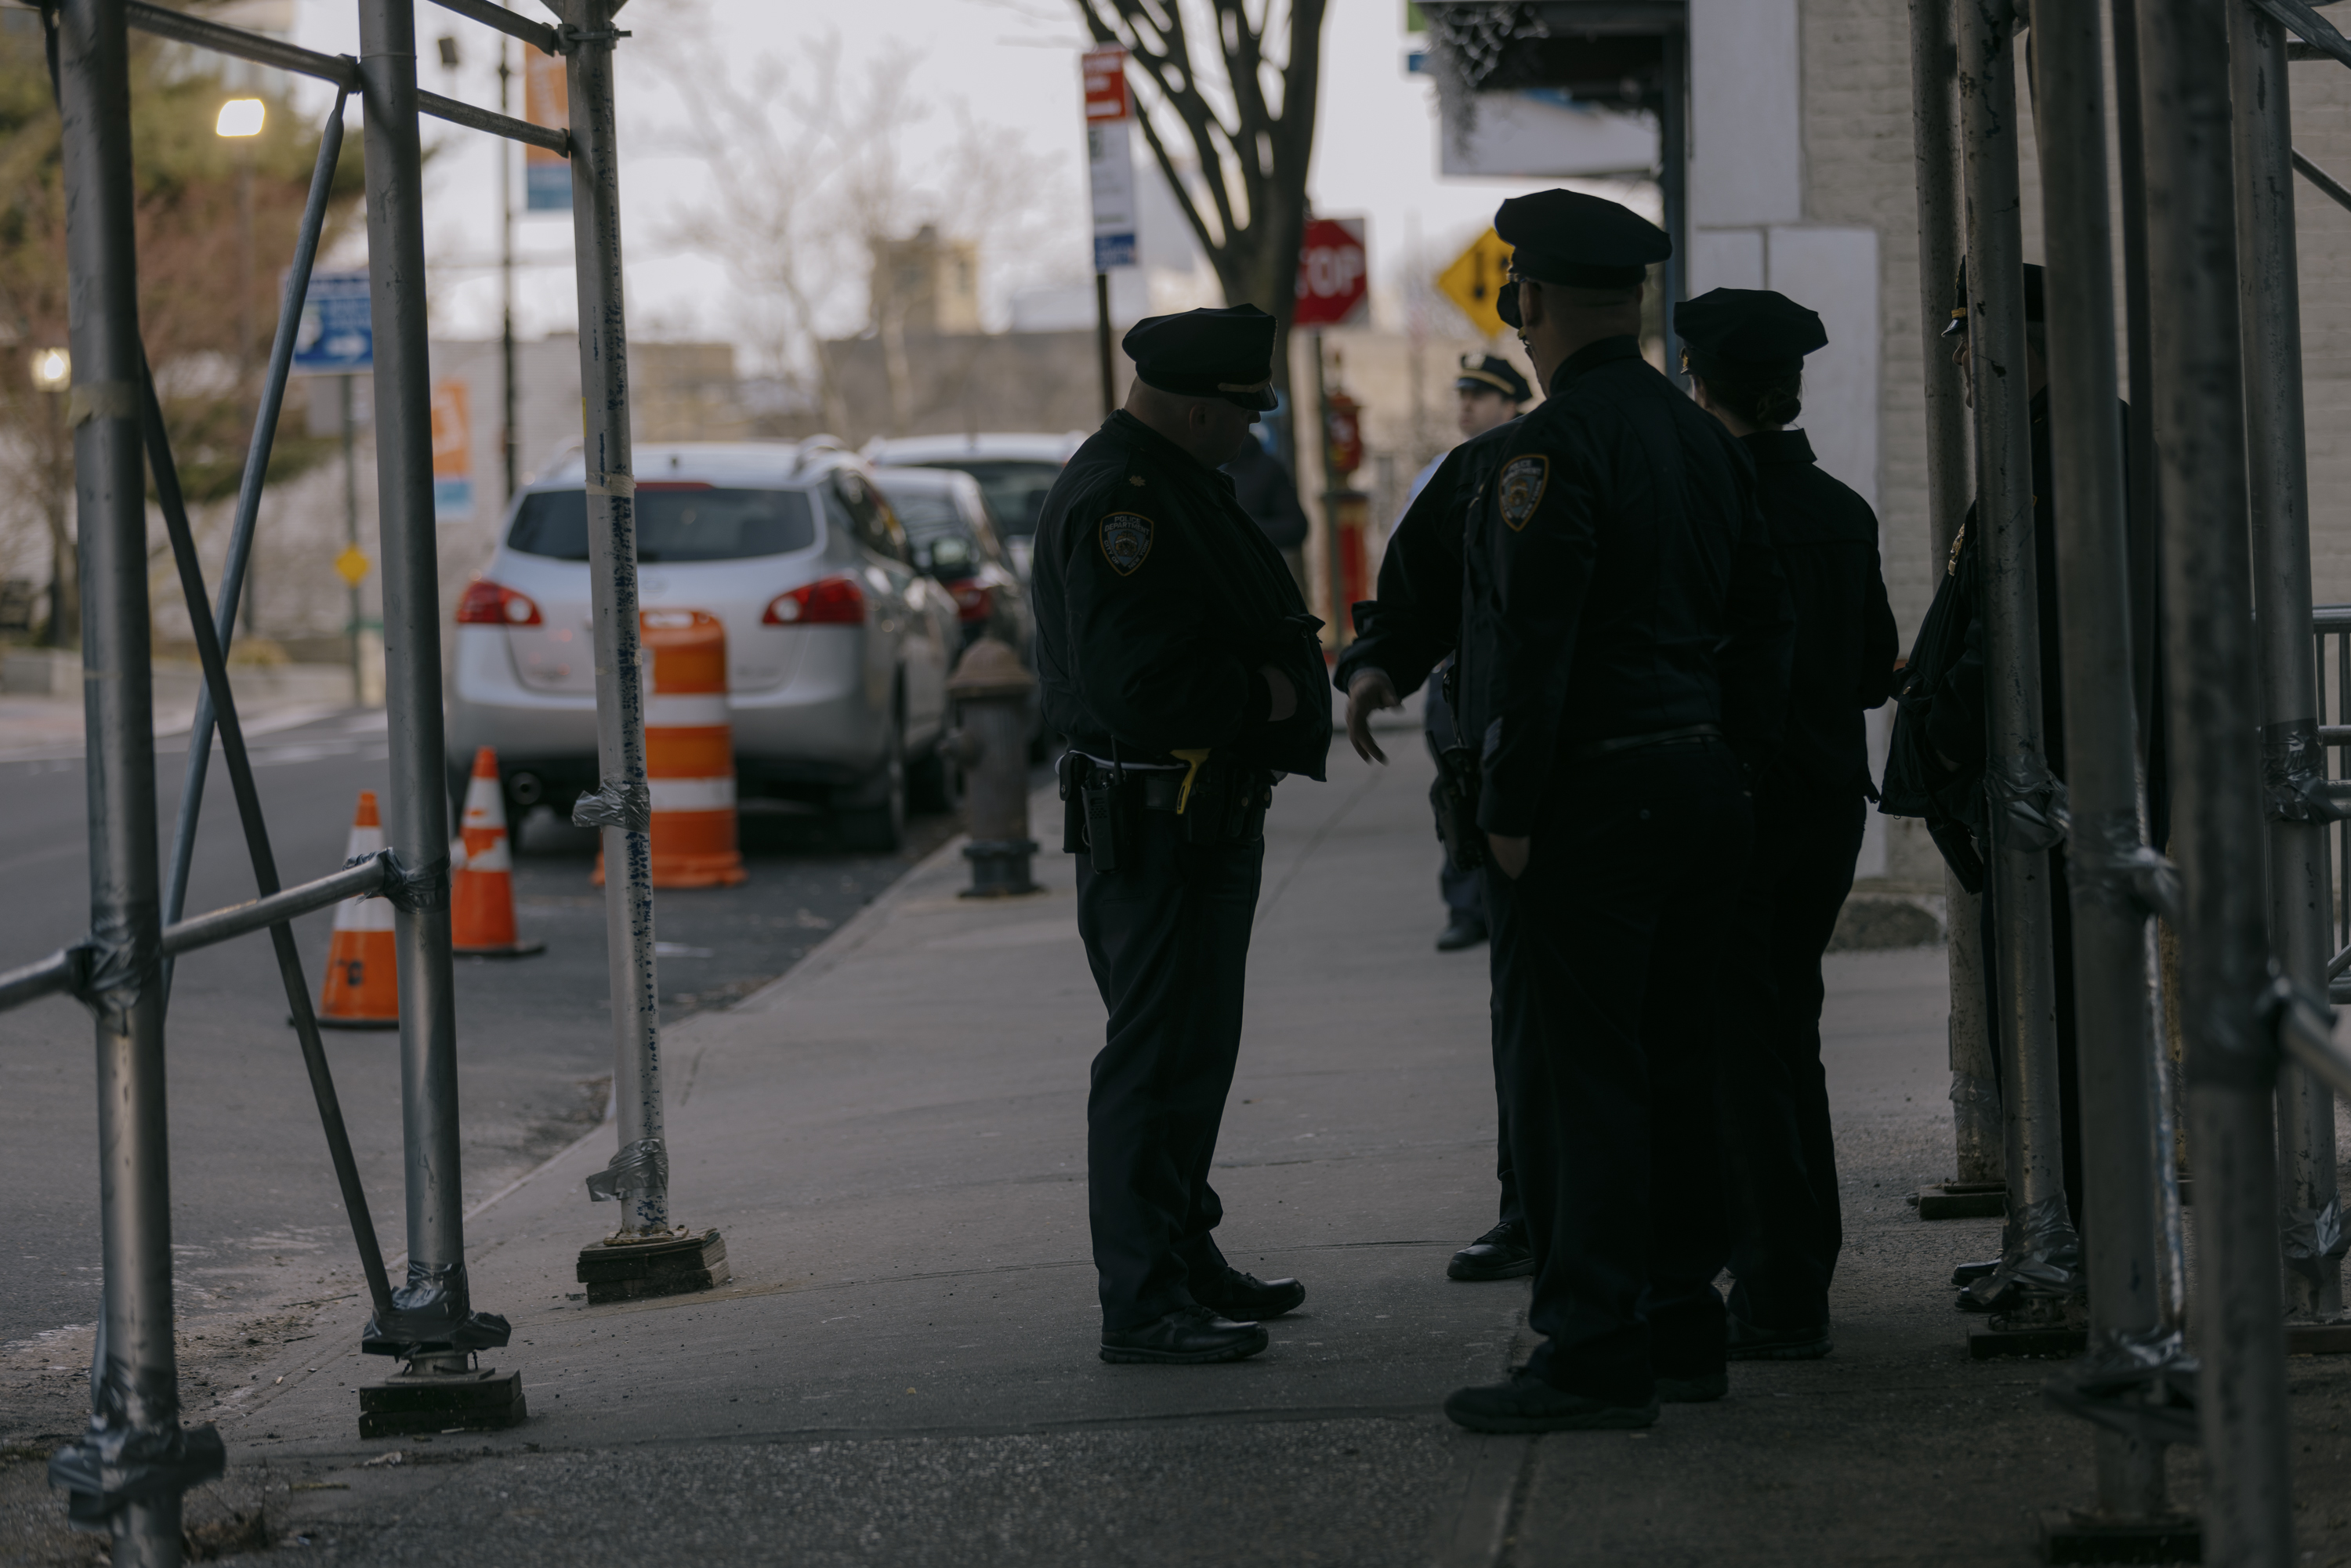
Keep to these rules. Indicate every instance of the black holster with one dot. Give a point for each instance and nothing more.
(1453, 797)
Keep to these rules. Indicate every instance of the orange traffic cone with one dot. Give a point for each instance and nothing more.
(362, 974)
(481, 895)
(689, 752)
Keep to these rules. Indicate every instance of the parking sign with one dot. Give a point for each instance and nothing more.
(337, 336)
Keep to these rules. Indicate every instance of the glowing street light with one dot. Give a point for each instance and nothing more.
(240, 116)
(52, 368)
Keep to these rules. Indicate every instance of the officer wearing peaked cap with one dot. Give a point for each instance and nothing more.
(1626, 655)
(1174, 651)
(1745, 351)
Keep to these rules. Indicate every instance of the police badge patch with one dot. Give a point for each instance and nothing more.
(1522, 484)
(1125, 540)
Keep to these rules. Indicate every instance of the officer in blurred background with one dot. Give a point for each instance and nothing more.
(1630, 651)
(1744, 349)
(1492, 393)
(1175, 651)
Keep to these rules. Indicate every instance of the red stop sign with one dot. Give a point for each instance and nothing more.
(1335, 286)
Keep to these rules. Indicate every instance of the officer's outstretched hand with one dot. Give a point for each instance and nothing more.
(1510, 854)
(1368, 693)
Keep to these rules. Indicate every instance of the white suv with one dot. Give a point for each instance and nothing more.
(838, 649)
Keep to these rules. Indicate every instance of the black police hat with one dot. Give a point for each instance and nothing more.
(2034, 307)
(1749, 327)
(1492, 373)
(1583, 241)
(1225, 353)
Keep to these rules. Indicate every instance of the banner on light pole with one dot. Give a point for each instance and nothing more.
(545, 101)
(1110, 160)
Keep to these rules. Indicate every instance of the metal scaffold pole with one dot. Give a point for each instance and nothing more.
(2292, 764)
(131, 1467)
(435, 1302)
(2040, 1251)
(647, 1254)
(2116, 879)
(1934, 66)
(2212, 692)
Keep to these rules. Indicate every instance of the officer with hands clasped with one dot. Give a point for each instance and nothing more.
(1174, 652)
(1745, 351)
(1629, 664)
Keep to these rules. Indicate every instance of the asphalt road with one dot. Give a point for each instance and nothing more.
(254, 1212)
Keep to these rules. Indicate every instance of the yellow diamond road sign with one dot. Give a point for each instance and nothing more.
(1475, 278)
(352, 564)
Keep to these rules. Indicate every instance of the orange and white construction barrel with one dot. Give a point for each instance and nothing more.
(481, 891)
(689, 751)
(362, 989)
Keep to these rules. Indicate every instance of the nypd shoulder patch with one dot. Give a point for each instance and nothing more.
(1126, 541)
(1522, 489)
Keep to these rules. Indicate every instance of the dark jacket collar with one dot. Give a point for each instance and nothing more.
(1778, 447)
(1137, 433)
(1591, 357)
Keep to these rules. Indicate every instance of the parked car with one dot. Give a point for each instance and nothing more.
(838, 648)
(1015, 472)
(947, 522)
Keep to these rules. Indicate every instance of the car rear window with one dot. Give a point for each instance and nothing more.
(923, 516)
(1016, 489)
(675, 523)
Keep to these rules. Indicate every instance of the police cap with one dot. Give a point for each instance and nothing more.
(2034, 309)
(1754, 329)
(1225, 353)
(1491, 372)
(1583, 241)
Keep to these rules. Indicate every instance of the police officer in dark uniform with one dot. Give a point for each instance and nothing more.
(1492, 393)
(1174, 652)
(1745, 352)
(1630, 653)
(1403, 638)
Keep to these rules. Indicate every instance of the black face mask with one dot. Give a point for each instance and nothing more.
(1506, 304)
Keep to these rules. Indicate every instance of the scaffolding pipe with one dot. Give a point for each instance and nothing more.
(622, 805)
(2301, 923)
(2040, 1251)
(2113, 1020)
(134, 1378)
(417, 819)
(2212, 692)
(1934, 68)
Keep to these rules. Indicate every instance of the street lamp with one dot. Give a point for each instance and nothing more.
(242, 117)
(53, 373)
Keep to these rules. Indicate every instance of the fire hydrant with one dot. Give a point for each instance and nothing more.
(992, 690)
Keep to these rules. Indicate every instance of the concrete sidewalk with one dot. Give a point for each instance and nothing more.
(902, 1371)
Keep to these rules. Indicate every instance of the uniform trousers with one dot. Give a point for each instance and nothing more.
(1771, 1093)
(1596, 952)
(1168, 937)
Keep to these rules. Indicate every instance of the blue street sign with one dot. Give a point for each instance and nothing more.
(337, 336)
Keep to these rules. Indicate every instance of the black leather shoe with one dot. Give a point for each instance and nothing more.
(1501, 1253)
(1246, 1297)
(1184, 1337)
(1750, 1342)
(1529, 1405)
(1465, 931)
(1701, 1390)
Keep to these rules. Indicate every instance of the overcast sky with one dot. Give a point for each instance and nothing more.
(1008, 65)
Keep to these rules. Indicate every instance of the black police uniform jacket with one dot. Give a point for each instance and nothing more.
(1846, 639)
(1634, 589)
(1416, 621)
(1157, 601)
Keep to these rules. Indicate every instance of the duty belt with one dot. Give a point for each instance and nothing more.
(1686, 733)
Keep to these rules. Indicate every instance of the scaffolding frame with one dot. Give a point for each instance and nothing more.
(127, 1475)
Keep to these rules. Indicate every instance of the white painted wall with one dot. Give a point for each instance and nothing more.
(1746, 152)
(1726, 258)
(1834, 271)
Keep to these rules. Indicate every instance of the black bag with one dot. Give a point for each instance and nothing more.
(1917, 784)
